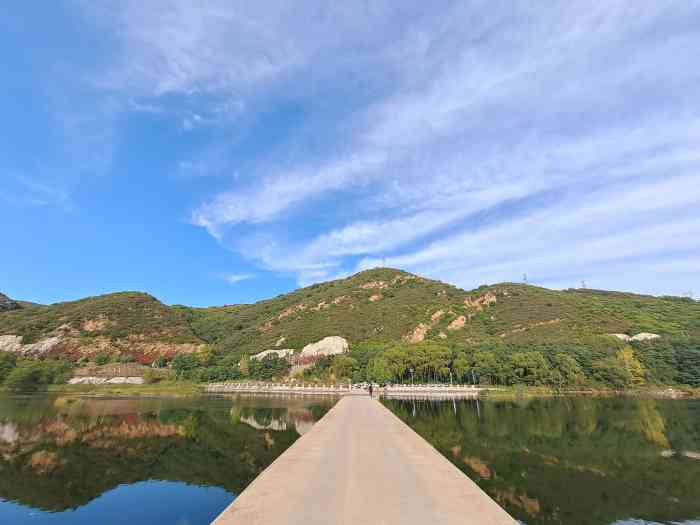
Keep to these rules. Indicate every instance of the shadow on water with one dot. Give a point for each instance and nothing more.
(572, 461)
(80, 460)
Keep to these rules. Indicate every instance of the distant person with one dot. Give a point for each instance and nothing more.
(370, 390)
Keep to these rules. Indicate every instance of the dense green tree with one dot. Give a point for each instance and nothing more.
(7, 364)
(689, 366)
(184, 364)
(270, 367)
(379, 370)
(531, 368)
(217, 373)
(568, 371)
(461, 367)
(344, 366)
(24, 379)
(613, 372)
(486, 367)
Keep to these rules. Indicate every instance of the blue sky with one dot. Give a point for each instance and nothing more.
(222, 152)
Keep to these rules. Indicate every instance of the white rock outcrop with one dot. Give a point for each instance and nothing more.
(126, 381)
(644, 336)
(10, 343)
(9, 432)
(87, 380)
(106, 381)
(13, 343)
(283, 352)
(458, 323)
(332, 345)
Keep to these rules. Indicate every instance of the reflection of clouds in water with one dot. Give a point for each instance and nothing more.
(275, 424)
(303, 426)
(300, 419)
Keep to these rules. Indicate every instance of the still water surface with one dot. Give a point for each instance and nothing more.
(572, 461)
(568, 461)
(70, 460)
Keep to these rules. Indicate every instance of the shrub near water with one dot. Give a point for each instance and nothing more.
(24, 379)
(7, 364)
(30, 376)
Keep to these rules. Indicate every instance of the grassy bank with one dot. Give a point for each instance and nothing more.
(174, 388)
(657, 391)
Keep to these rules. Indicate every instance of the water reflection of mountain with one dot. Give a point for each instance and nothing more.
(572, 461)
(299, 418)
(59, 453)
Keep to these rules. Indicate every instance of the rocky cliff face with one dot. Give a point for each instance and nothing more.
(7, 304)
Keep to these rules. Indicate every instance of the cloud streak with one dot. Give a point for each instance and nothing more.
(235, 278)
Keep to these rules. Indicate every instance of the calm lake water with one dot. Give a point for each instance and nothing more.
(572, 461)
(70, 460)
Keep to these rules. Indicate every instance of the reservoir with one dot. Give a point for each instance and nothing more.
(546, 461)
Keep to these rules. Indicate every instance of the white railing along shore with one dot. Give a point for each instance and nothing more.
(433, 390)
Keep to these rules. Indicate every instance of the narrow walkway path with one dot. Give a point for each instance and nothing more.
(361, 465)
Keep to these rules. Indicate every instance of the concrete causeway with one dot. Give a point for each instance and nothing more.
(362, 465)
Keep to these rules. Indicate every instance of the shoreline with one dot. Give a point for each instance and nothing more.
(186, 389)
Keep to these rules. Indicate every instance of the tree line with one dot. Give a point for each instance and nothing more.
(595, 361)
(601, 361)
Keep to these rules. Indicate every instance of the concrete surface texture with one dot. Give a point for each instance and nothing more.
(361, 465)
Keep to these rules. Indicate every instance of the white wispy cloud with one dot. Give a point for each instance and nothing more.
(35, 190)
(234, 278)
(266, 199)
(645, 229)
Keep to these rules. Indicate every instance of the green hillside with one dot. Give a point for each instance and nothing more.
(386, 309)
(116, 316)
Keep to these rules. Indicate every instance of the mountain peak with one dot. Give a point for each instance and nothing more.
(7, 304)
(382, 272)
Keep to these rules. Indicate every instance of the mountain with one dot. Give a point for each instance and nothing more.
(380, 305)
(130, 323)
(391, 305)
